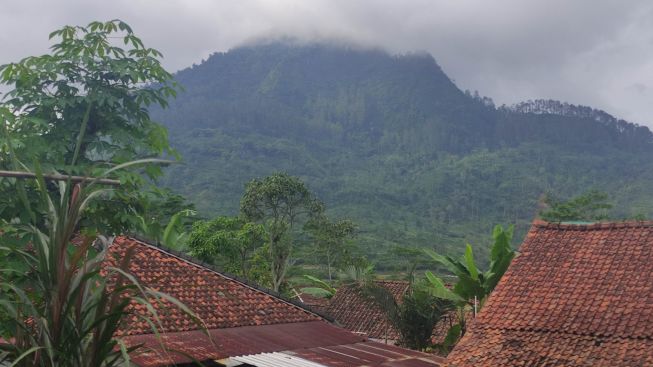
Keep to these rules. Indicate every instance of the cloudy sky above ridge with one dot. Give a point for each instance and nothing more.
(591, 52)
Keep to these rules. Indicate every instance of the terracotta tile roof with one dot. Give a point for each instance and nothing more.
(578, 295)
(354, 311)
(318, 304)
(219, 300)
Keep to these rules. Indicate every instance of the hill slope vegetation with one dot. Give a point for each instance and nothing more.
(392, 143)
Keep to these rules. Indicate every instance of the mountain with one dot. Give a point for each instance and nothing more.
(391, 142)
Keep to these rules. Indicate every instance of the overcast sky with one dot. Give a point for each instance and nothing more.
(591, 52)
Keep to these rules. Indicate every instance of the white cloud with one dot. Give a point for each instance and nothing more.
(598, 53)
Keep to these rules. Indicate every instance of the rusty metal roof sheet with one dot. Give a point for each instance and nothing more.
(318, 343)
(277, 359)
(223, 343)
(368, 353)
(291, 359)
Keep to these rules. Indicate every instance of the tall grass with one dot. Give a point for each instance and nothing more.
(68, 309)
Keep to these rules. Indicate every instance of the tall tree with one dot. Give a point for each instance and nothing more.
(280, 202)
(73, 112)
(590, 206)
(88, 89)
(331, 240)
(230, 242)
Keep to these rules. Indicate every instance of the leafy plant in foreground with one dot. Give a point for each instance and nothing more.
(78, 111)
(69, 310)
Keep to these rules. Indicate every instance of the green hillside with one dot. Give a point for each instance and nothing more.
(392, 143)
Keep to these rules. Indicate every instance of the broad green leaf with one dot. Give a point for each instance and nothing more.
(443, 260)
(453, 334)
(469, 261)
(317, 292)
(438, 289)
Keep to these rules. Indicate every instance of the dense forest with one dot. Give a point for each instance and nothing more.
(392, 143)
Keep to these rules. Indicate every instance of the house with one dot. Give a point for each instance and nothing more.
(317, 304)
(243, 324)
(357, 312)
(577, 295)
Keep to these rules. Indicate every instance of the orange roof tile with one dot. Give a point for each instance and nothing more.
(578, 295)
(358, 313)
(239, 317)
(219, 300)
(318, 304)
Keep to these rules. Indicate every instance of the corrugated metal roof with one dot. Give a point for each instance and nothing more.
(238, 341)
(276, 359)
(368, 353)
(347, 355)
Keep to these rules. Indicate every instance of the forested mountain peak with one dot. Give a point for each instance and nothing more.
(391, 142)
(553, 107)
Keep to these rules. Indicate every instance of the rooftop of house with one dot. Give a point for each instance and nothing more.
(317, 304)
(239, 318)
(220, 300)
(355, 311)
(577, 295)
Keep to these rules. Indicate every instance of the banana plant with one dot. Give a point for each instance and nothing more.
(172, 235)
(473, 286)
(361, 275)
(473, 283)
(321, 289)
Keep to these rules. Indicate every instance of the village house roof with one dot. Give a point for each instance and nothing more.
(359, 313)
(355, 311)
(239, 318)
(317, 304)
(577, 295)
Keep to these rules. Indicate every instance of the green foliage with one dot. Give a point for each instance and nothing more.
(92, 89)
(332, 242)
(415, 316)
(230, 242)
(593, 205)
(66, 313)
(279, 202)
(174, 234)
(472, 284)
(164, 217)
(392, 144)
(321, 289)
(453, 335)
(77, 111)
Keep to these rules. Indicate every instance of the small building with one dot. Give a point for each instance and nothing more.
(357, 312)
(317, 304)
(244, 324)
(577, 295)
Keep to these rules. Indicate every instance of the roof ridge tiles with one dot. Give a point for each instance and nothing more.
(247, 283)
(538, 223)
(391, 281)
(554, 331)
